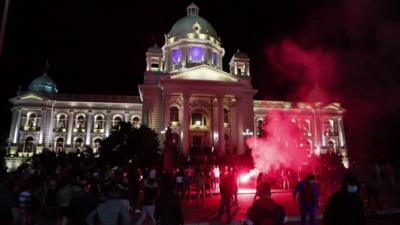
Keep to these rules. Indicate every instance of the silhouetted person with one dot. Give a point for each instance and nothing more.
(265, 210)
(226, 192)
(345, 206)
(258, 182)
(168, 209)
(150, 193)
(308, 199)
(111, 212)
(80, 206)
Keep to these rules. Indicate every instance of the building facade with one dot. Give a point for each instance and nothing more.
(184, 88)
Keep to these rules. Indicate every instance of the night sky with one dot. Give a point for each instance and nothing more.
(349, 48)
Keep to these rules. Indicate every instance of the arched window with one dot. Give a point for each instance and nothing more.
(260, 128)
(60, 144)
(174, 114)
(99, 122)
(80, 121)
(32, 117)
(29, 144)
(78, 144)
(117, 121)
(61, 121)
(96, 145)
(135, 121)
(198, 119)
(226, 116)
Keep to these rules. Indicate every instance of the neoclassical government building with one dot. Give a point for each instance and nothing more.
(185, 88)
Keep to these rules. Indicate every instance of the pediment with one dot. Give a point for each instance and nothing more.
(333, 107)
(204, 72)
(29, 97)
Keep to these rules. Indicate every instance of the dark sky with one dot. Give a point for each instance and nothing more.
(98, 47)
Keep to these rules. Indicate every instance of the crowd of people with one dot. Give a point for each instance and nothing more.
(71, 189)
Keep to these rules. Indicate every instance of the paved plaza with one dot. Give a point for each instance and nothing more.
(207, 213)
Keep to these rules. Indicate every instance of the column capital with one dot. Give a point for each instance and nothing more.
(71, 111)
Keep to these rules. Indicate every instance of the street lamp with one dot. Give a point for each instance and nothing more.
(247, 133)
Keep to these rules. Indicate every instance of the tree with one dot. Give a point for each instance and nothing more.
(127, 144)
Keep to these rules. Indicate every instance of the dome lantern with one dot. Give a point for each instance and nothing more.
(192, 10)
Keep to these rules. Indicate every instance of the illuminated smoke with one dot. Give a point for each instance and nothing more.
(312, 70)
(279, 147)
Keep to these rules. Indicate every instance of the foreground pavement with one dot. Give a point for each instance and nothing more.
(196, 214)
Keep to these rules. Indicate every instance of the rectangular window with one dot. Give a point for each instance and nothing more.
(176, 56)
(197, 54)
(214, 58)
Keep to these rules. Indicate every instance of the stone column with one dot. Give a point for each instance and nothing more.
(221, 129)
(17, 122)
(185, 124)
(166, 117)
(108, 123)
(317, 134)
(341, 133)
(42, 126)
(241, 144)
(233, 123)
(70, 126)
(48, 140)
(126, 117)
(89, 127)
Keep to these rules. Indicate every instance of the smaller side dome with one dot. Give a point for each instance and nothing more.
(154, 49)
(43, 84)
(240, 55)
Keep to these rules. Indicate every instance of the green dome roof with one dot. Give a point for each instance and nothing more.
(189, 24)
(43, 84)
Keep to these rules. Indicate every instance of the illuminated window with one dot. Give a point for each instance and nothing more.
(80, 122)
(61, 123)
(226, 116)
(59, 145)
(136, 122)
(174, 114)
(176, 56)
(214, 58)
(196, 54)
(96, 145)
(117, 120)
(198, 119)
(29, 144)
(78, 144)
(32, 120)
(99, 122)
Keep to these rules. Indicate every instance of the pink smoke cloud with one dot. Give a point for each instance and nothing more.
(279, 147)
(313, 70)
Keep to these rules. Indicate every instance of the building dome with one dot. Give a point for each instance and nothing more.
(192, 24)
(154, 49)
(43, 84)
(240, 55)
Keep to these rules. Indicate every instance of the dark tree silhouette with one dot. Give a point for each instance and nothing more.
(128, 145)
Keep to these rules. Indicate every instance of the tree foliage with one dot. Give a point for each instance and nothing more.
(138, 146)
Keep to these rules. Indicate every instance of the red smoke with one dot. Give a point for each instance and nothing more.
(279, 147)
(311, 69)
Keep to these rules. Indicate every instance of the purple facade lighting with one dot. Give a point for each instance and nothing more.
(176, 56)
(215, 58)
(197, 54)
